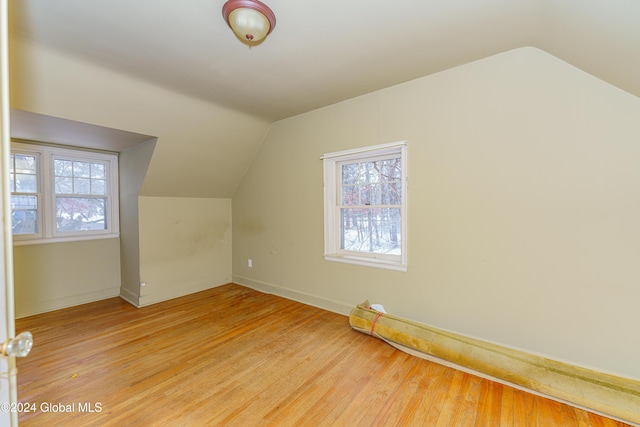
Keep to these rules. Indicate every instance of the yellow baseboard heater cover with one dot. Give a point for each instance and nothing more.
(596, 391)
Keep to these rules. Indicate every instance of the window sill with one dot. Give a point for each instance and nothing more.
(27, 242)
(367, 262)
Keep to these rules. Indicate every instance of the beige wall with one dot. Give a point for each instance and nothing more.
(56, 275)
(523, 208)
(202, 151)
(186, 246)
(522, 213)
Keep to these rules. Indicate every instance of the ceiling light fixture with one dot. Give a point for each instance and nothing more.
(250, 20)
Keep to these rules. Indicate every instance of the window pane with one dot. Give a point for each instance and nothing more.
(26, 183)
(64, 185)
(370, 172)
(80, 214)
(25, 164)
(81, 169)
(391, 193)
(350, 173)
(81, 186)
(391, 170)
(370, 195)
(350, 195)
(98, 187)
(98, 171)
(23, 174)
(24, 214)
(374, 230)
(63, 167)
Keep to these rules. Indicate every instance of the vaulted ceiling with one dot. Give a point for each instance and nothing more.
(325, 51)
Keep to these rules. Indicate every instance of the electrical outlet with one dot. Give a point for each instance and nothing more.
(250, 263)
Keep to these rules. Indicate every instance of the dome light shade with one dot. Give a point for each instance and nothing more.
(250, 20)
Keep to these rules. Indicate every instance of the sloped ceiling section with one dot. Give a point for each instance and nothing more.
(600, 37)
(325, 51)
(38, 127)
(173, 69)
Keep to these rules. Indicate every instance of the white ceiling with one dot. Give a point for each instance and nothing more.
(325, 51)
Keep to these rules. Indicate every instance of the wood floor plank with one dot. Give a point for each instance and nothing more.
(549, 410)
(452, 402)
(441, 389)
(490, 404)
(507, 414)
(569, 415)
(400, 405)
(368, 405)
(234, 356)
(470, 403)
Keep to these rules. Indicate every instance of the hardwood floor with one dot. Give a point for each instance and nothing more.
(234, 356)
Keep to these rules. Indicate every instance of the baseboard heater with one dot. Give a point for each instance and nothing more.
(608, 394)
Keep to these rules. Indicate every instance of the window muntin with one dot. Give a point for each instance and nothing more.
(76, 195)
(365, 206)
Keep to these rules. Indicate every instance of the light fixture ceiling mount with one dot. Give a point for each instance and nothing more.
(250, 20)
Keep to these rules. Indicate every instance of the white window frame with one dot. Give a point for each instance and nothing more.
(39, 195)
(332, 223)
(47, 232)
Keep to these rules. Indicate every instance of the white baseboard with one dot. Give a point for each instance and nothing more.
(313, 300)
(130, 297)
(39, 307)
(178, 291)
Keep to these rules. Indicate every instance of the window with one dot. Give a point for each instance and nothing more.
(61, 194)
(25, 194)
(365, 201)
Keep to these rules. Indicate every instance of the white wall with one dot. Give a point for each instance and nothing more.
(523, 208)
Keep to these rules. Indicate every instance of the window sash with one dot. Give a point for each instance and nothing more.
(80, 176)
(367, 233)
(23, 215)
(22, 197)
(81, 213)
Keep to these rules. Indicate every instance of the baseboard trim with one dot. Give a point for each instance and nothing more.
(39, 307)
(130, 297)
(180, 291)
(302, 297)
